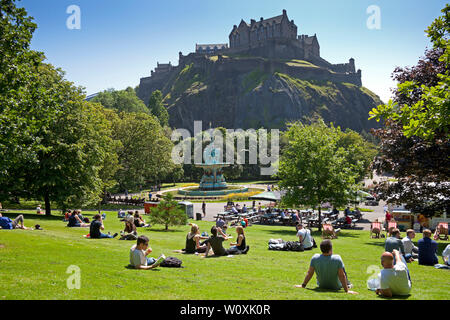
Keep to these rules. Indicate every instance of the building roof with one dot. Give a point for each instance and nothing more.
(268, 22)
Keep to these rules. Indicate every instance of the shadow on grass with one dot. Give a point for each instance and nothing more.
(379, 244)
(162, 230)
(129, 267)
(393, 297)
(317, 289)
(33, 216)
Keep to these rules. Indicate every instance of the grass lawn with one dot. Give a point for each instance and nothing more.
(33, 265)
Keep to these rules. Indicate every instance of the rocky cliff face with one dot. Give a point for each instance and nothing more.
(248, 94)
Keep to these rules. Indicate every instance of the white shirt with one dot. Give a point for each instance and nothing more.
(408, 245)
(396, 279)
(446, 252)
(137, 257)
(306, 237)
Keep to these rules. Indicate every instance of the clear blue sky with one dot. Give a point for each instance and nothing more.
(120, 41)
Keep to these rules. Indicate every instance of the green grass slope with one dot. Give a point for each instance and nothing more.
(33, 265)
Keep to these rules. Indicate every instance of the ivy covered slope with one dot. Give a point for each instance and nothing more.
(236, 95)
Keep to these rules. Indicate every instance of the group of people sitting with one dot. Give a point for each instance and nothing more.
(331, 275)
(195, 244)
(394, 278)
(425, 252)
(132, 221)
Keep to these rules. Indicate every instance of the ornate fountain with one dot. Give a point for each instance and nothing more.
(212, 178)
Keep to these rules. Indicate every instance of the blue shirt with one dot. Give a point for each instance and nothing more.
(6, 223)
(427, 251)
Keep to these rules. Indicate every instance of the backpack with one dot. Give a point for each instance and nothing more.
(293, 246)
(171, 262)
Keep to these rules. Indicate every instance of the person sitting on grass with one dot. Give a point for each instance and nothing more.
(427, 249)
(139, 221)
(304, 236)
(215, 242)
(411, 251)
(395, 278)
(8, 224)
(240, 244)
(394, 242)
(67, 215)
(329, 269)
(75, 220)
(446, 255)
(95, 228)
(139, 253)
(193, 241)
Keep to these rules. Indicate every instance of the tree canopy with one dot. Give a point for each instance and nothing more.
(415, 138)
(316, 166)
(157, 108)
(121, 100)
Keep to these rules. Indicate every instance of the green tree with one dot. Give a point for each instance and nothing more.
(53, 143)
(359, 152)
(429, 115)
(168, 213)
(156, 106)
(145, 151)
(121, 100)
(313, 169)
(414, 142)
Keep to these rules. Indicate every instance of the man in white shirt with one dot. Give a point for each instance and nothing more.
(446, 255)
(139, 252)
(394, 278)
(411, 251)
(304, 236)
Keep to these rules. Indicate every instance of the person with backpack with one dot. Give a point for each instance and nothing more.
(304, 236)
(329, 270)
(139, 253)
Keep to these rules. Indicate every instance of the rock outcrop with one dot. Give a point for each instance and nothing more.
(251, 92)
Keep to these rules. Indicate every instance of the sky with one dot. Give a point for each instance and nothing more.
(121, 41)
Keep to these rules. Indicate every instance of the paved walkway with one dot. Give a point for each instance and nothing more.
(212, 208)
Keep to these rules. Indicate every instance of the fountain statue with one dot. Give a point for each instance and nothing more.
(212, 178)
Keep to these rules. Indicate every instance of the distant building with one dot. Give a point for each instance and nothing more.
(162, 68)
(268, 31)
(210, 48)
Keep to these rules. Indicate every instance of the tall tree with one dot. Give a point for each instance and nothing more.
(121, 100)
(156, 106)
(52, 142)
(415, 145)
(145, 154)
(314, 169)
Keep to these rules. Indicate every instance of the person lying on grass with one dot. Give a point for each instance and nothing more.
(17, 223)
(329, 269)
(139, 253)
(395, 278)
(95, 228)
(193, 241)
(240, 244)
